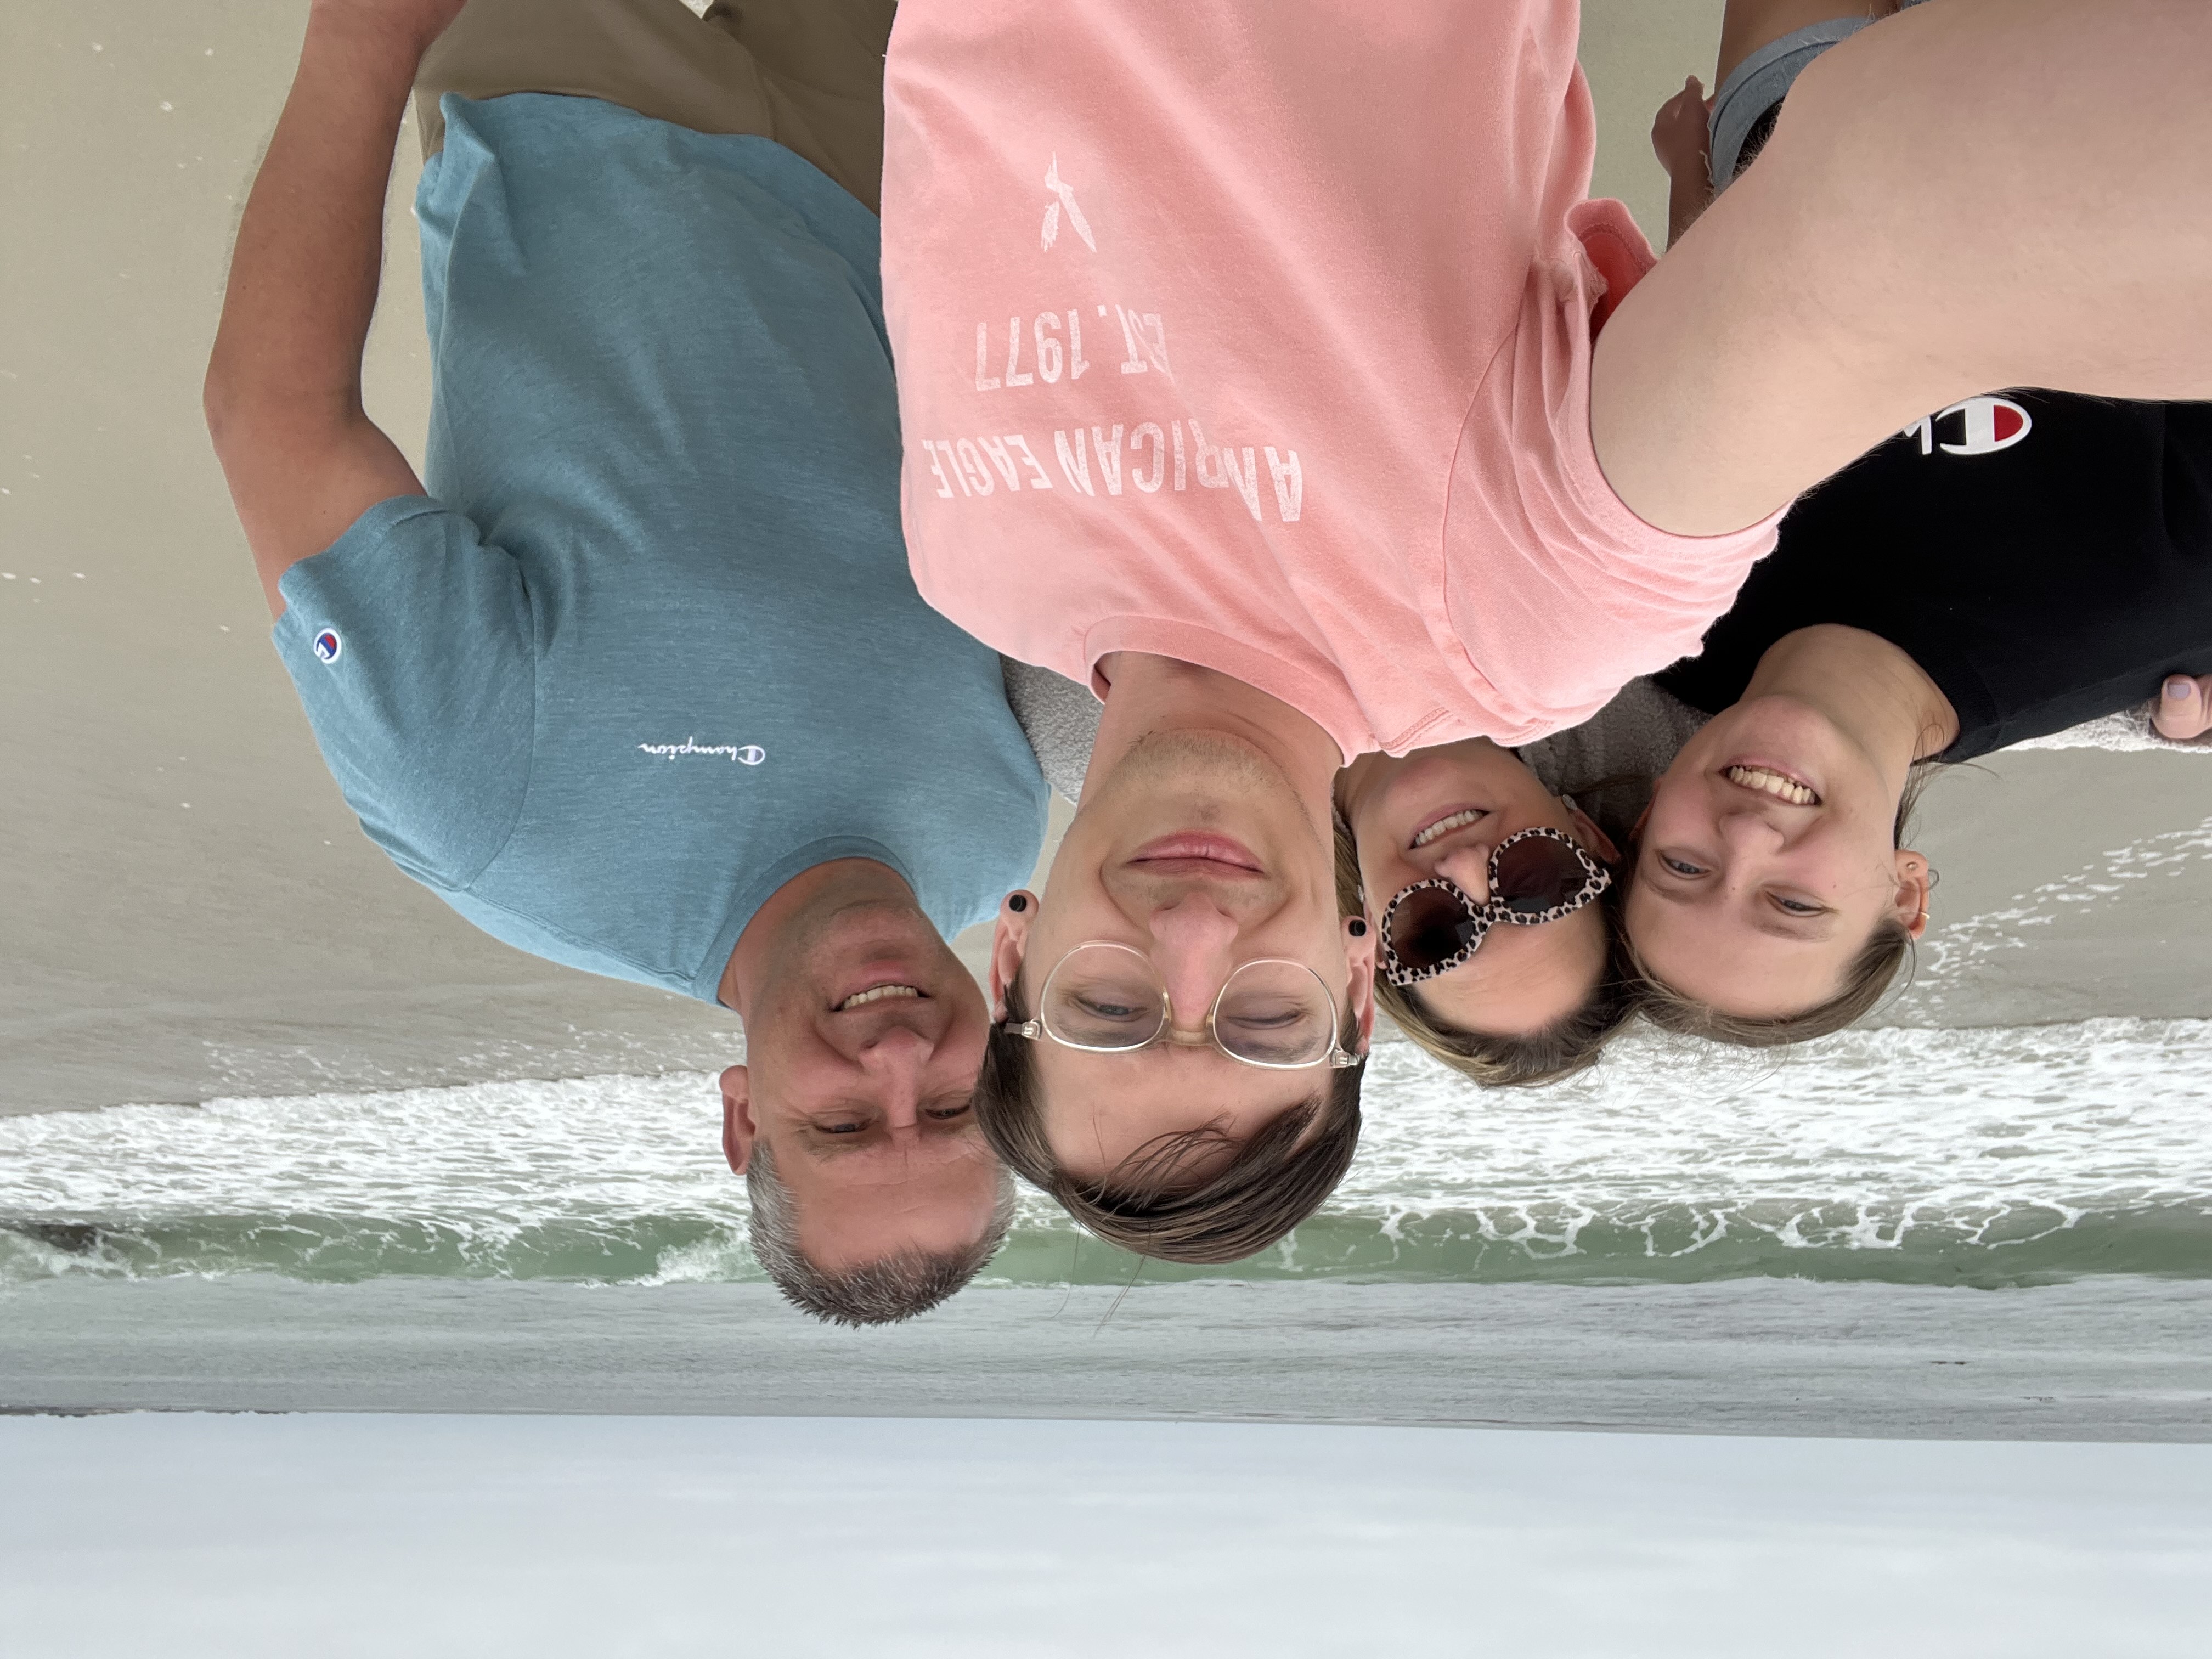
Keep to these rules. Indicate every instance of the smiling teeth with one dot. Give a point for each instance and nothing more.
(881, 994)
(1772, 783)
(1456, 821)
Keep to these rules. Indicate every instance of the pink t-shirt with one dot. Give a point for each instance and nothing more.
(1259, 336)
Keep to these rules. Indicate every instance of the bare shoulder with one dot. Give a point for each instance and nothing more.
(1843, 286)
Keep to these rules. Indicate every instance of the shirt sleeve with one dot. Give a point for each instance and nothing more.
(411, 643)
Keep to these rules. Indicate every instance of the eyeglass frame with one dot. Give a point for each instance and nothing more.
(1596, 879)
(1338, 1058)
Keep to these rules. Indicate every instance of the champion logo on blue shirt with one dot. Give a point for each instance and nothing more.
(747, 754)
(328, 646)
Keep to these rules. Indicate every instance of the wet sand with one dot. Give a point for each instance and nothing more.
(2108, 1359)
(187, 908)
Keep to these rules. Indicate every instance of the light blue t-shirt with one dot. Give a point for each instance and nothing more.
(651, 649)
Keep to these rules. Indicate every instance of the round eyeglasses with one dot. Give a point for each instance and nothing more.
(1109, 998)
(1536, 876)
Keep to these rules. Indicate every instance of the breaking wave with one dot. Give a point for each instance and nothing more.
(1994, 1157)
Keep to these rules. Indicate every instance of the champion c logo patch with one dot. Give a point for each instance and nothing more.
(1983, 425)
(328, 646)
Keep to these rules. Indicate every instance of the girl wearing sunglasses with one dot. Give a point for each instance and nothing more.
(1496, 952)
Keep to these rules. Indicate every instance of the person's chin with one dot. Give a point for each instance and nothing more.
(1778, 732)
(1210, 765)
(1432, 783)
(1477, 764)
(1197, 784)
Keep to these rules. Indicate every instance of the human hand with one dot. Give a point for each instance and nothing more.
(1681, 134)
(2184, 708)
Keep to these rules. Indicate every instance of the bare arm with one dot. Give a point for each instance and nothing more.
(282, 395)
(1845, 287)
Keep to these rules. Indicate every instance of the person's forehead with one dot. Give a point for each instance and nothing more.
(1733, 916)
(1162, 1091)
(842, 1225)
(1736, 968)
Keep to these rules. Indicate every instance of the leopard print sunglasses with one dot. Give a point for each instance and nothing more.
(1535, 876)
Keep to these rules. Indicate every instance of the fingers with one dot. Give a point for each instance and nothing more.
(1688, 103)
(1678, 132)
(2183, 709)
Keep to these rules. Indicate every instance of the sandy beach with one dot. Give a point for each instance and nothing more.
(187, 908)
(422, 1319)
(636, 1536)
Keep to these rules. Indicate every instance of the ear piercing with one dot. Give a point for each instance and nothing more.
(1359, 927)
(1019, 902)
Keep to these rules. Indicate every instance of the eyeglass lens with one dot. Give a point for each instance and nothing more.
(1274, 1013)
(1106, 997)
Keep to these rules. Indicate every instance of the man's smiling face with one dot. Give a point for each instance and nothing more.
(861, 1052)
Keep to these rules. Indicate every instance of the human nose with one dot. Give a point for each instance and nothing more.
(894, 1061)
(1467, 868)
(1752, 831)
(1191, 940)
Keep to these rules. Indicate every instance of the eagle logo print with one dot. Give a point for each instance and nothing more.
(1064, 195)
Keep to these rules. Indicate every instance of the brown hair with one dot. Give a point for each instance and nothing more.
(882, 1293)
(1275, 1181)
(1569, 1045)
(1866, 981)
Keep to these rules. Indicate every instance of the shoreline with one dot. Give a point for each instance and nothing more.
(2107, 1359)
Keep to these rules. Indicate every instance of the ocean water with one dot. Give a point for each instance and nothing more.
(1988, 1157)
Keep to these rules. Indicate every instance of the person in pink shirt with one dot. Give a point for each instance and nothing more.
(1250, 361)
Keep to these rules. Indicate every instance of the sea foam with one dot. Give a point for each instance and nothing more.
(1988, 1156)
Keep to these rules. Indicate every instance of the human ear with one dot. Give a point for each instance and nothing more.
(1594, 839)
(1360, 953)
(738, 1127)
(1010, 943)
(1915, 882)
